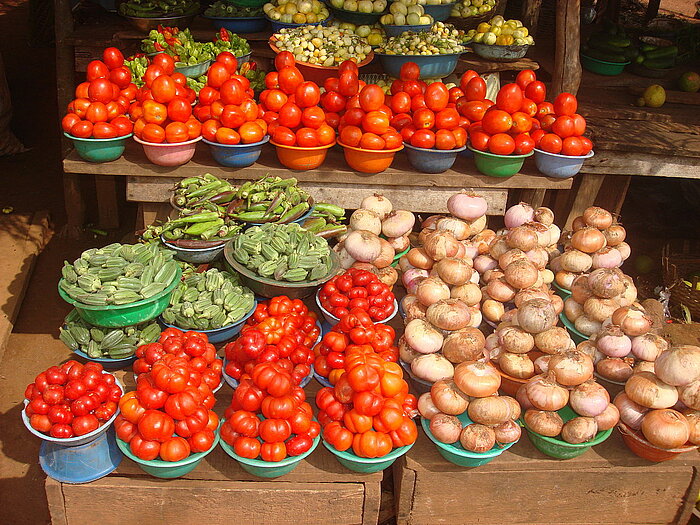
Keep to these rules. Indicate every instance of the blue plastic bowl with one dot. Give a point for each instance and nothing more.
(353, 462)
(106, 362)
(278, 26)
(99, 150)
(431, 66)
(392, 30)
(244, 58)
(355, 17)
(559, 166)
(195, 70)
(431, 160)
(196, 255)
(249, 24)
(440, 13)
(219, 335)
(236, 155)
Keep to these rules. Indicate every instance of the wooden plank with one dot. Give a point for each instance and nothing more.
(612, 193)
(108, 211)
(594, 112)
(372, 503)
(643, 164)
(585, 197)
(567, 67)
(533, 197)
(659, 138)
(404, 490)
(54, 497)
(482, 66)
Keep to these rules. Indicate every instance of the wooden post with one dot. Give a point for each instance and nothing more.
(567, 68)
(531, 14)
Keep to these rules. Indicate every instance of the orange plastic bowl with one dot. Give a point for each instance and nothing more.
(642, 448)
(369, 160)
(301, 159)
(510, 384)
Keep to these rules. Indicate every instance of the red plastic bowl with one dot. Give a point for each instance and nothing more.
(165, 154)
(642, 448)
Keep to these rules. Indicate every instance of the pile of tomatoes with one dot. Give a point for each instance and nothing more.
(280, 331)
(169, 414)
(102, 101)
(226, 105)
(192, 346)
(369, 408)
(163, 108)
(357, 289)
(71, 399)
(286, 426)
(355, 328)
(291, 107)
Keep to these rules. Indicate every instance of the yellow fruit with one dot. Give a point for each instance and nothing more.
(483, 27)
(655, 96)
(504, 40)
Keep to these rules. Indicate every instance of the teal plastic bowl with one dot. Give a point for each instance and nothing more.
(602, 67)
(99, 150)
(457, 454)
(168, 469)
(355, 463)
(195, 70)
(431, 66)
(498, 165)
(117, 316)
(268, 469)
(561, 292)
(577, 336)
(559, 449)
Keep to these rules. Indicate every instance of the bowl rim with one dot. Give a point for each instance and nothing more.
(421, 56)
(489, 154)
(191, 250)
(80, 139)
(355, 148)
(167, 144)
(495, 451)
(245, 18)
(407, 25)
(631, 433)
(570, 326)
(103, 359)
(600, 436)
(294, 24)
(214, 331)
(510, 47)
(435, 150)
(333, 8)
(439, 5)
(593, 59)
(327, 313)
(211, 61)
(367, 60)
(265, 140)
(559, 155)
(74, 439)
(116, 307)
(563, 290)
(299, 148)
(351, 456)
(126, 450)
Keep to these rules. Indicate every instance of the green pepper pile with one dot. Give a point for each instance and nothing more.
(227, 10)
(182, 46)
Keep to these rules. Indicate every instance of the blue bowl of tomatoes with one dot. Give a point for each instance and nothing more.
(99, 150)
(428, 160)
(236, 155)
(431, 66)
(559, 166)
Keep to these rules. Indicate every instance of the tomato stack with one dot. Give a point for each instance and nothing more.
(71, 400)
(226, 107)
(281, 331)
(369, 409)
(162, 112)
(169, 414)
(286, 426)
(101, 103)
(291, 107)
(357, 289)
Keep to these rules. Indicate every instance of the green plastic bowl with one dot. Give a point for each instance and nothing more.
(355, 463)
(268, 469)
(457, 454)
(117, 316)
(577, 336)
(602, 67)
(561, 292)
(167, 469)
(558, 449)
(99, 150)
(195, 70)
(498, 165)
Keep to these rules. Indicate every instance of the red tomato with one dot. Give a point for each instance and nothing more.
(418, 102)
(409, 71)
(444, 139)
(537, 136)
(153, 133)
(524, 144)
(164, 61)
(564, 126)
(179, 110)
(565, 104)
(509, 98)
(375, 122)
(401, 103)
(466, 77)
(229, 60)
(176, 132)
(475, 89)
(447, 119)
(407, 132)
(97, 112)
(70, 120)
(372, 141)
(501, 144)
(351, 136)
(455, 94)
(163, 89)
(326, 134)
(348, 83)
(84, 424)
(231, 92)
(82, 129)
(174, 449)
(251, 132)
(536, 91)
(283, 135)
(424, 119)
(572, 146)
(529, 107)
(522, 123)
(436, 96)
(307, 94)
(413, 88)
(284, 59)
(551, 143)
(525, 77)
(496, 121)
(579, 124)
(289, 79)
(209, 129)
(40, 422)
(120, 76)
(423, 138)
(371, 98)
(392, 140)
(207, 95)
(217, 75)
(112, 58)
(290, 115)
(547, 121)
(400, 120)
(312, 117)
(333, 102)
(307, 138)
(100, 90)
(96, 69)
(104, 130)
(61, 431)
(226, 135)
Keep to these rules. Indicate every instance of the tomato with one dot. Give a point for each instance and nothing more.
(154, 112)
(97, 112)
(436, 96)
(351, 136)
(525, 77)
(245, 423)
(572, 146)
(112, 57)
(564, 126)
(121, 77)
(307, 94)
(284, 59)
(217, 75)
(509, 98)
(231, 92)
(405, 434)
(372, 141)
(181, 405)
(371, 98)
(565, 104)
(165, 62)
(41, 423)
(400, 103)
(348, 83)
(522, 123)
(547, 121)
(194, 128)
(338, 436)
(289, 79)
(475, 89)
(551, 143)
(273, 99)
(307, 138)
(155, 425)
(424, 119)
(209, 129)
(251, 132)
(474, 110)
(587, 145)
(497, 121)
(389, 419)
(536, 91)
(501, 144)
(283, 135)
(55, 376)
(290, 115)
(232, 116)
(60, 430)
(278, 407)
(125, 430)
(371, 444)
(455, 94)
(100, 90)
(274, 430)
(53, 394)
(392, 140)
(466, 77)
(273, 451)
(375, 122)
(579, 124)
(537, 136)
(409, 71)
(326, 134)
(58, 414)
(153, 133)
(84, 424)
(229, 60)
(143, 448)
(163, 89)
(96, 69)
(104, 130)
(333, 102)
(174, 449)
(298, 445)
(179, 110)
(529, 107)
(444, 139)
(312, 117)
(460, 136)
(447, 119)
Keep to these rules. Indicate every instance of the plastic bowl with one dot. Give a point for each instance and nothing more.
(195, 255)
(497, 53)
(509, 384)
(169, 154)
(457, 454)
(248, 24)
(269, 469)
(355, 463)
(278, 26)
(642, 448)
(75, 440)
(498, 165)
(271, 288)
(559, 449)
(392, 30)
(195, 70)
(145, 24)
(236, 155)
(355, 17)
(398, 256)
(602, 67)
(99, 150)
(301, 159)
(167, 469)
(576, 336)
(431, 66)
(218, 335)
(322, 380)
(369, 160)
(331, 319)
(440, 13)
(421, 386)
(561, 292)
(117, 316)
(431, 160)
(106, 362)
(559, 166)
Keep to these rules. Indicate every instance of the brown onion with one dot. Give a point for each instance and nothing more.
(546, 394)
(589, 399)
(399, 244)
(537, 315)
(426, 407)
(633, 320)
(565, 279)
(492, 275)
(690, 394)
(538, 256)
(648, 346)
(454, 271)
(500, 290)
(615, 369)
(571, 368)
(522, 237)
(577, 224)
(441, 244)
(388, 275)
(423, 337)
(448, 398)
(666, 428)
(553, 341)
(572, 309)
(518, 214)
(597, 217)
(449, 314)
(587, 326)
(477, 438)
(693, 419)
(510, 257)
(522, 399)
(597, 309)
(490, 411)
(515, 409)
(606, 282)
(464, 345)
(477, 378)
(508, 432)
(544, 422)
(529, 293)
(521, 274)
(579, 430)
(459, 228)
(679, 366)
(648, 390)
(631, 413)
(588, 348)
(515, 340)
(445, 428)
(432, 367)
(615, 234)
(613, 342)
(516, 365)
(544, 215)
(644, 366)
(468, 293)
(493, 310)
(542, 364)
(588, 240)
(386, 255)
(580, 289)
(431, 290)
(608, 418)
(575, 261)
(412, 308)
(483, 263)
(419, 258)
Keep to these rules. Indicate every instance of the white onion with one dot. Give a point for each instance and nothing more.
(631, 413)
(432, 367)
(613, 342)
(579, 430)
(589, 399)
(426, 407)
(679, 366)
(587, 326)
(467, 206)
(518, 215)
(647, 389)
(398, 223)
(363, 245)
(607, 257)
(378, 204)
(648, 346)
(422, 337)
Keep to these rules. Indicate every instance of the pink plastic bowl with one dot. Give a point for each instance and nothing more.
(165, 154)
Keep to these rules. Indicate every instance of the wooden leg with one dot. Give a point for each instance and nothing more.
(73, 200)
(587, 193)
(531, 14)
(534, 198)
(107, 209)
(613, 192)
(567, 68)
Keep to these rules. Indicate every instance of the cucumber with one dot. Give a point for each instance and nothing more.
(662, 52)
(617, 41)
(645, 48)
(607, 57)
(659, 63)
(605, 47)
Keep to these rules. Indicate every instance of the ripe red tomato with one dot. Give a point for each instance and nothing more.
(529, 107)
(82, 129)
(289, 79)
(96, 69)
(550, 143)
(313, 117)
(413, 88)
(479, 140)
(120, 76)
(229, 61)
(400, 103)
(61, 431)
(424, 119)
(112, 58)
(466, 77)
(153, 133)
(579, 124)
(217, 75)
(348, 83)
(165, 61)
(565, 104)
(307, 94)
(372, 141)
(84, 424)
(501, 144)
(326, 134)
(351, 136)
(104, 130)
(179, 110)
(509, 98)
(400, 120)
(70, 120)
(423, 138)
(163, 89)
(371, 98)
(563, 126)
(176, 132)
(444, 139)
(447, 119)
(460, 135)
(283, 135)
(290, 115)
(409, 71)
(375, 122)
(572, 146)
(231, 92)
(97, 112)
(100, 90)
(284, 59)
(522, 123)
(392, 140)
(537, 136)
(40, 422)
(525, 77)
(536, 91)
(547, 121)
(225, 135)
(473, 110)
(455, 94)
(307, 138)
(496, 121)
(333, 102)
(436, 96)
(524, 144)
(475, 89)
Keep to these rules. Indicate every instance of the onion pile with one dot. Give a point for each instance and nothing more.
(375, 234)
(596, 241)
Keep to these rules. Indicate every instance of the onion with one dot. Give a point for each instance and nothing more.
(515, 340)
(432, 290)
(579, 430)
(666, 428)
(554, 236)
(490, 411)
(587, 326)
(445, 428)
(571, 368)
(498, 247)
(542, 364)
(607, 258)
(544, 215)
(631, 413)
(589, 399)
(536, 315)
(477, 438)
(597, 309)
(606, 282)
(469, 294)
(464, 345)
(346, 260)
(624, 250)
(398, 223)
(404, 264)
(508, 432)
(629, 296)
(412, 274)
(648, 346)
(454, 271)
(515, 409)
(521, 274)
(538, 256)
(614, 369)
(426, 407)
(542, 232)
(388, 275)
(555, 262)
(477, 378)
(450, 314)
(588, 348)
(614, 234)
(441, 244)
(572, 309)
(588, 240)
(422, 337)
(553, 341)
(648, 390)
(608, 418)
(419, 258)
(632, 320)
(432, 367)
(500, 290)
(378, 204)
(644, 366)
(522, 237)
(522, 399)
(467, 205)
(363, 245)
(368, 220)
(483, 240)
(448, 398)
(483, 263)
(679, 366)
(575, 261)
(406, 353)
(690, 394)
(516, 365)
(577, 224)
(580, 289)
(430, 222)
(546, 394)
(399, 244)
(693, 419)
(613, 342)
(510, 317)
(529, 293)
(597, 217)
(544, 422)
(518, 215)
(493, 310)
(511, 256)
(460, 229)
(386, 256)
